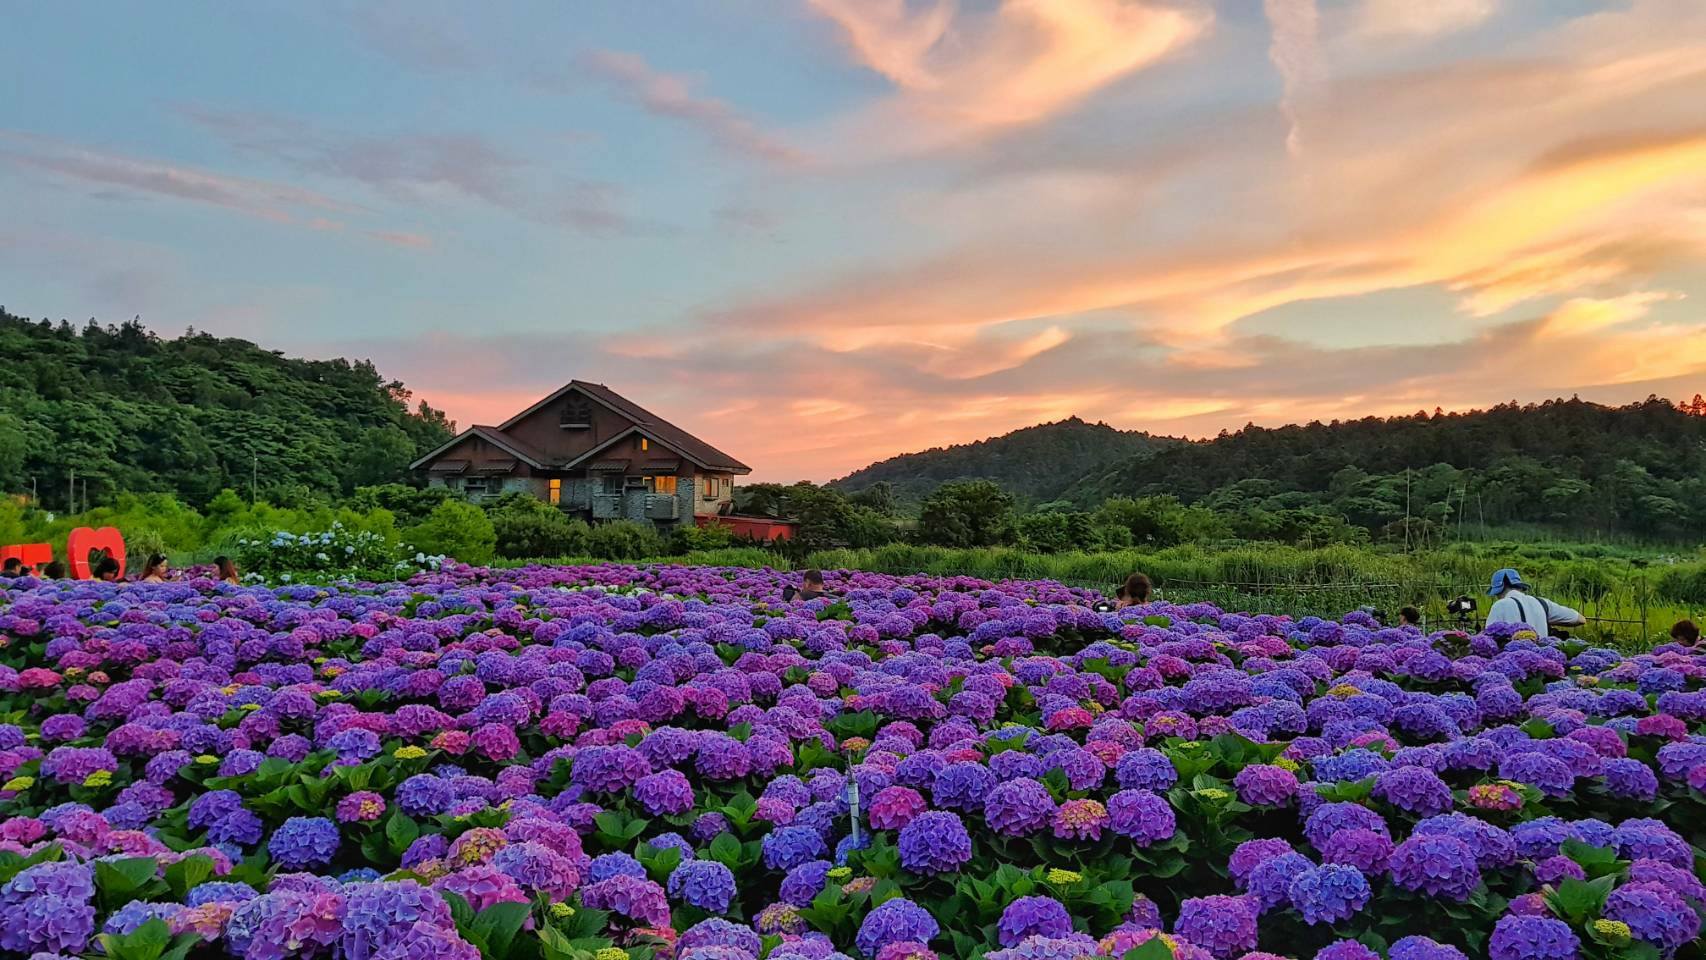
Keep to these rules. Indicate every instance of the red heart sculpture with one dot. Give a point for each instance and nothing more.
(84, 541)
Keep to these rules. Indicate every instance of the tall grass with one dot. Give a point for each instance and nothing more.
(1611, 584)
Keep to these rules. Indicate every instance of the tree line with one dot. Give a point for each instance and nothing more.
(86, 414)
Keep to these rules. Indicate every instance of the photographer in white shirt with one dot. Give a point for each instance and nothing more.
(1514, 605)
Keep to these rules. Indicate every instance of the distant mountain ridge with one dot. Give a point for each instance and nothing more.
(1568, 464)
(1037, 463)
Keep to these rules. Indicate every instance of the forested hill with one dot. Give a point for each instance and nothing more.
(129, 411)
(1036, 463)
(1571, 464)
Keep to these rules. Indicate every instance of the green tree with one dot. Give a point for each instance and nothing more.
(383, 454)
(966, 513)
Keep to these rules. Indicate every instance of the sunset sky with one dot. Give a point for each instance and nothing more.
(823, 232)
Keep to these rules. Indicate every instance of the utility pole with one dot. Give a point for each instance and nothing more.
(254, 476)
(71, 493)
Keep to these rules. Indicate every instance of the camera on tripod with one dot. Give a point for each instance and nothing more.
(1461, 608)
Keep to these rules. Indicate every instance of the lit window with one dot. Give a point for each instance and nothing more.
(664, 484)
(556, 495)
(645, 444)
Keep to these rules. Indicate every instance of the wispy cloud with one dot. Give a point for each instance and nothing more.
(413, 241)
(411, 165)
(1295, 50)
(672, 95)
(271, 200)
(421, 168)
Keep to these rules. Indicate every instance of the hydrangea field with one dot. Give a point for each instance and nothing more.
(613, 762)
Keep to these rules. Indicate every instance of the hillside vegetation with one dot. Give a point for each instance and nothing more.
(130, 412)
(1579, 468)
(1036, 464)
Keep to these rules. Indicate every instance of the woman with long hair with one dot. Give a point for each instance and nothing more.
(154, 571)
(225, 571)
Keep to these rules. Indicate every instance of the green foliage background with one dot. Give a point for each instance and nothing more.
(130, 412)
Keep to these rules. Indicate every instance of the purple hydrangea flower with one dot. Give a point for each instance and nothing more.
(705, 884)
(935, 842)
(302, 843)
(1437, 865)
(1329, 894)
(895, 921)
(1224, 926)
(1532, 938)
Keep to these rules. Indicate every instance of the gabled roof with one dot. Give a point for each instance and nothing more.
(649, 425)
(496, 438)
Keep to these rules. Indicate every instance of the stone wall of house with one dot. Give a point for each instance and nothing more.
(533, 486)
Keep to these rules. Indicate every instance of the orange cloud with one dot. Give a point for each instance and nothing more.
(1581, 316)
(1387, 19)
(961, 74)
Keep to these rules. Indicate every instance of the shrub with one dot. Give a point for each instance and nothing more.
(458, 530)
(526, 526)
(337, 553)
(691, 537)
(624, 540)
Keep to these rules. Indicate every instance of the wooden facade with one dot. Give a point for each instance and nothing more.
(594, 454)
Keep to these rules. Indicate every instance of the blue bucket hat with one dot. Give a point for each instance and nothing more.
(1504, 580)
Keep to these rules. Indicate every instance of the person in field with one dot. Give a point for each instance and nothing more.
(1685, 633)
(1514, 605)
(53, 571)
(154, 571)
(225, 571)
(107, 569)
(12, 567)
(811, 587)
(1133, 591)
(1409, 617)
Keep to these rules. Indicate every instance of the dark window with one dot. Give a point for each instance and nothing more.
(577, 413)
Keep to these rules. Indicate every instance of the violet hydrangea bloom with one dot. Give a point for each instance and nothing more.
(1532, 938)
(1329, 894)
(304, 842)
(1033, 916)
(1224, 926)
(935, 842)
(705, 884)
(896, 920)
(1436, 865)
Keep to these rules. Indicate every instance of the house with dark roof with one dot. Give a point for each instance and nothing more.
(595, 454)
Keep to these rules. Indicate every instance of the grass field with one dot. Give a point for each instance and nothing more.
(1631, 595)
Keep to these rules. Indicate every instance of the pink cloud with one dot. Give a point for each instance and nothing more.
(672, 95)
(413, 241)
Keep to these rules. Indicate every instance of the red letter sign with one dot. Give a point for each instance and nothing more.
(32, 554)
